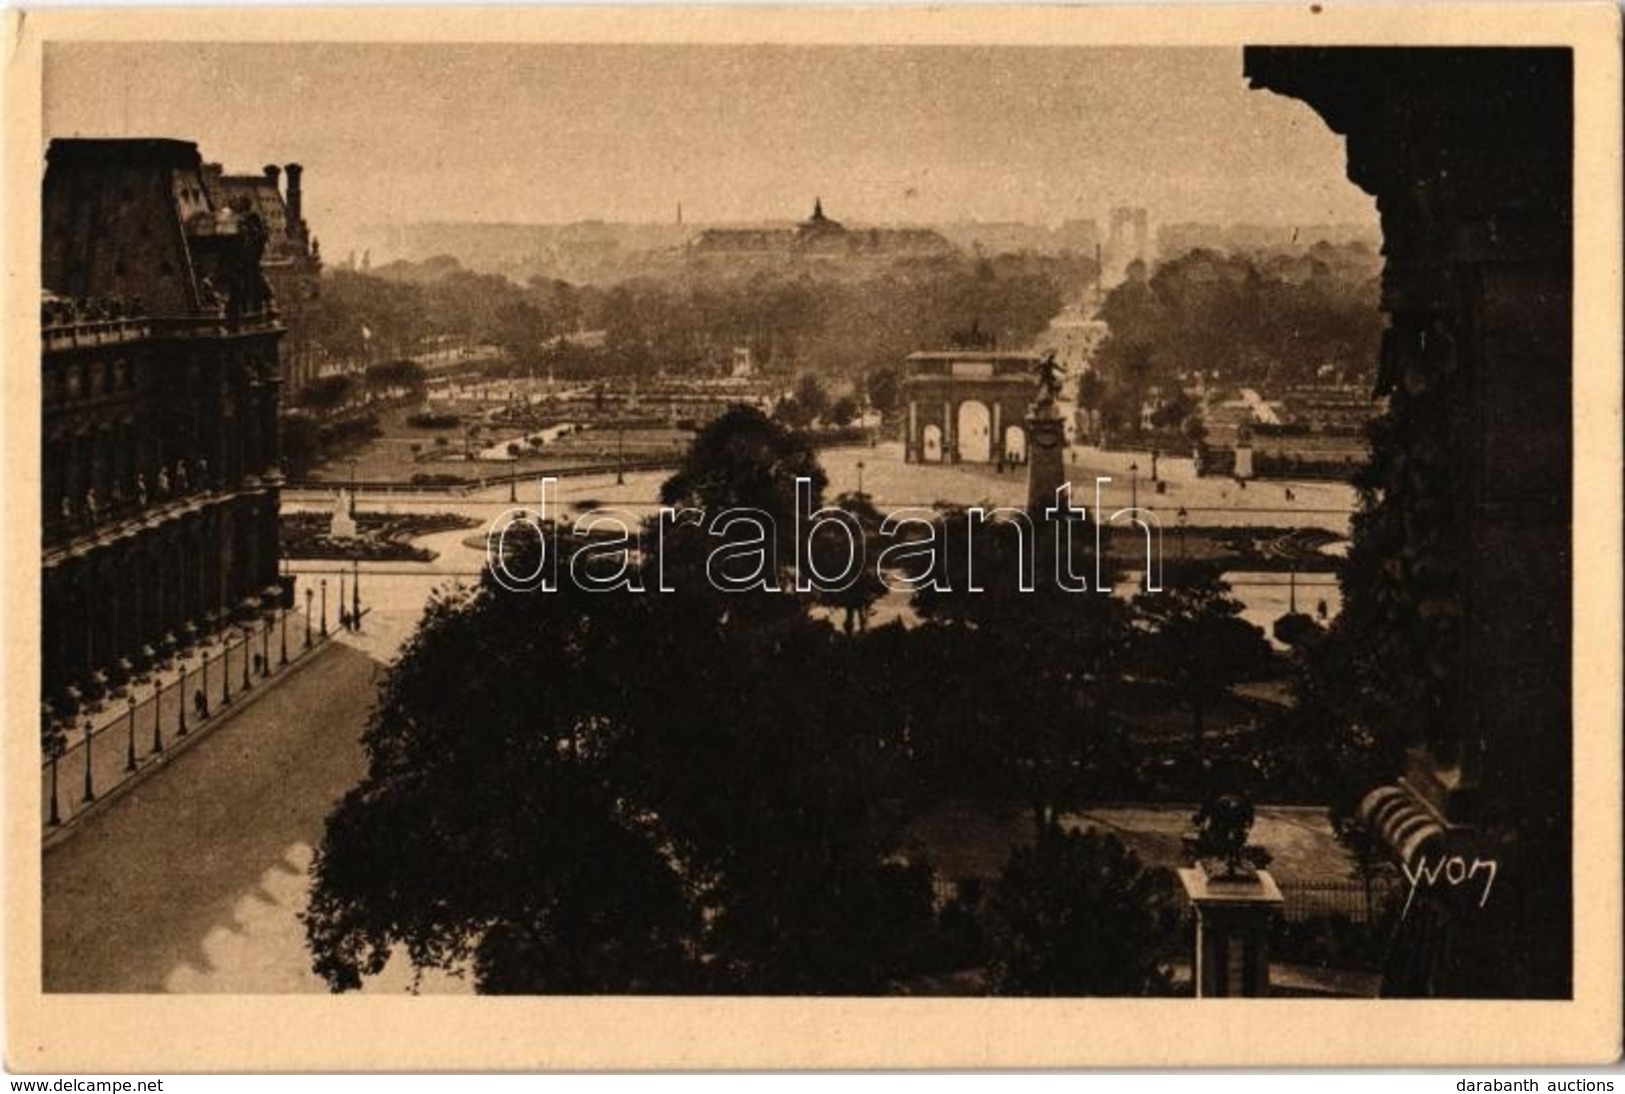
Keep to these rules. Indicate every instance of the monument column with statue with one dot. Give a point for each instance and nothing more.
(1046, 441)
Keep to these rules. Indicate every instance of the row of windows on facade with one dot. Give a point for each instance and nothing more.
(119, 376)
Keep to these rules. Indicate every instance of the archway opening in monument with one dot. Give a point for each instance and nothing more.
(931, 444)
(974, 430)
(1015, 445)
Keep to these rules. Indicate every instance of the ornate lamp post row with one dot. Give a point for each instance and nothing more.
(200, 698)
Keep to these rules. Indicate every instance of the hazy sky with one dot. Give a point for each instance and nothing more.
(622, 132)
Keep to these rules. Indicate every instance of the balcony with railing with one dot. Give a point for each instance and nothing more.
(89, 322)
(70, 523)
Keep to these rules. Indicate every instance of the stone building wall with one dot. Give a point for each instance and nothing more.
(1459, 576)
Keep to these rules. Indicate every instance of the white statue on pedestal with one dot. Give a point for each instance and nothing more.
(343, 526)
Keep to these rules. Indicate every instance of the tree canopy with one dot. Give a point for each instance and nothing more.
(743, 459)
(1245, 319)
(1078, 914)
(584, 791)
(688, 321)
(1196, 640)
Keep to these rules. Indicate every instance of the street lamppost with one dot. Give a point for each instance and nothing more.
(56, 809)
(204, 712)
(225, 672)
(342, 596)
(620, 453)
(284, 613)
(355, 595)
(90, 788)
(1134, 485)
(129, 758)
(180, 726)
(265, 646)
(324, 607)
(309, 593)
(248, 683)
(158, 715)
(1184, 518)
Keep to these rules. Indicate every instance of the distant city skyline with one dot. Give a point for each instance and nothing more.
(396, 134)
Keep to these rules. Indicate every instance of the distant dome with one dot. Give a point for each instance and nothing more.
(818, 222)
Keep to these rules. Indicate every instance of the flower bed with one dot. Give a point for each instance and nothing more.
(381, 537)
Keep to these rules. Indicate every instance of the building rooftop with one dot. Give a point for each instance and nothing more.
(122, 152)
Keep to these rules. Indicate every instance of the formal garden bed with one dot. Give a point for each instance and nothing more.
(380, 537)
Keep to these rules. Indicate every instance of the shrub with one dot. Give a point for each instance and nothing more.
(425, 419)
(1078, 914)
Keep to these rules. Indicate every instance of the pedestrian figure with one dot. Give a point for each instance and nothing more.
(344, 619)
(259, 665)
(1320, 609)
(200, 703)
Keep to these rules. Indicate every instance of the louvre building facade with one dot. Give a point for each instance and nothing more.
(160, 461)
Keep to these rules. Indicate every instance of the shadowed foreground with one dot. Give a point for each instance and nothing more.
(193, 880)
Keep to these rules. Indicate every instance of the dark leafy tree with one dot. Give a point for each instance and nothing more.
(1196, 641)
(812, 397)
(1077, 914)
(1298, 630)
(1173, 411)
(883, 387)
(1016, 687)
(713, 821)
(1252, 319)
(791, 413)
(395, 374)
(743, 459)
(327, 392)
(832, 551)
(488, 834)
(301, 444)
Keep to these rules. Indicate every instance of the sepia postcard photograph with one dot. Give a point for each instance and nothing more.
(705, 538)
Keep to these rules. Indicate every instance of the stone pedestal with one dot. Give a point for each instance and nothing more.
(1233, 918)
(1244, 460)
(1046, 457)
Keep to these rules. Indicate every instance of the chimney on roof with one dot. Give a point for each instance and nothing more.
(274, 173)
(296, 201)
